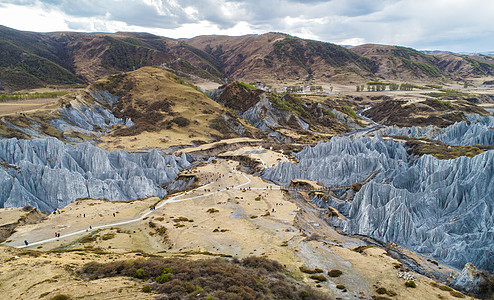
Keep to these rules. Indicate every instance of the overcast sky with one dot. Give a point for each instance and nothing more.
(454, 25)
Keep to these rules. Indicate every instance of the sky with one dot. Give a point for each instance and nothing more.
(452, 25)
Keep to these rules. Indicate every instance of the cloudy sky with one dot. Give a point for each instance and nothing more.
(455, 25)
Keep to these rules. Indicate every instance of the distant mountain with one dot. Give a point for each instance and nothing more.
(407, 64)
(436, 52)
(31, 59)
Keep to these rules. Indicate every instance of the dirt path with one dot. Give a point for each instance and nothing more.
(24, 106)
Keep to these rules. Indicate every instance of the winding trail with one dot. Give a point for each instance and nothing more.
(171, 200)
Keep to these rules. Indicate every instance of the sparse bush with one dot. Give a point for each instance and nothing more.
(140, 273)
(456, 294)
(318, 277)
(310, 271)
(381, 290)
(340, 287)
(249, 278)
(181, 121)
(164, 278)
(108, 236)
(445, 288)
(334, 273)
(60, 297)
(146, 289)
(87, 239)
(261, 263)
(212, 210)
(410, 284)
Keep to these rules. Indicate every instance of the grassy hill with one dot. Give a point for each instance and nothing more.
(38, 59)
(407, 64)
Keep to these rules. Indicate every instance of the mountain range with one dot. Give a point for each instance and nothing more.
(30, 60)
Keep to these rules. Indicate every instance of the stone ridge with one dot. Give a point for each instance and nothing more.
(441, 208)
(49, 174)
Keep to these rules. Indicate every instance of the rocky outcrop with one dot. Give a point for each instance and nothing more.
(49, 174)
(441, 208)
(341, 161)
(477, 282)
(479, 130)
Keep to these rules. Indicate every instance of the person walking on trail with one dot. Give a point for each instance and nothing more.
(25, 242)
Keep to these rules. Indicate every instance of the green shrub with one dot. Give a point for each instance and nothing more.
(164, 278)
(340, 287)
(334, 273)
(410, 284)
(146, 289)
(140, 273)
(381, 290)
(445, 288)
(349, 111)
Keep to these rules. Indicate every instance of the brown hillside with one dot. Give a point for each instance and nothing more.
(441, 113)
(166, 111)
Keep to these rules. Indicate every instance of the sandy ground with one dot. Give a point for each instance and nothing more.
(10, 215)
(257, 219)
(25, 106)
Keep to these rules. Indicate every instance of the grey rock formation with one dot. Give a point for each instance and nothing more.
(91, 119)
(49, 174)
(89, 113)
(441, 208)
(479, 131)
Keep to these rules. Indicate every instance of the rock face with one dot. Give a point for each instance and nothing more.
(479, 131)
(87, 118)
(49, 174)
(477, 282)
(441, 208)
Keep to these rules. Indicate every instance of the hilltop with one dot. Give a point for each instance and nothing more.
(32, 60)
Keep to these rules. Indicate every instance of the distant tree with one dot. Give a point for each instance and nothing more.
(358, 88)
(362, 87)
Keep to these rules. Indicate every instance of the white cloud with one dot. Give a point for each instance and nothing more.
(458, 25)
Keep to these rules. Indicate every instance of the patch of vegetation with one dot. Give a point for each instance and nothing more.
(27, 96)
(147, 289)
(302, 53)
(318, 277)
(247, 86)
(335, 273)
(125, 56)
(349, 111)
(410, 284)
(249, 278)
(60, 297)
(449, 94)
(88, 239)
(340, 287)
(310, 271)
(456, 294)
(212, 210)
(181, 121)
(443, 151)
(108, 236)
(480, 68)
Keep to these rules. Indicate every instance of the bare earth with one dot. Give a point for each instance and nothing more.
(24, 106)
